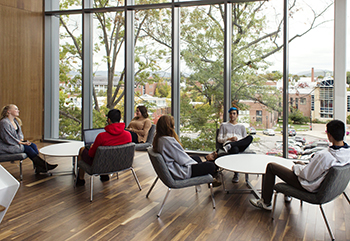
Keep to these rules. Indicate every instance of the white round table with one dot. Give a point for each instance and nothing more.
(69, 149)
(249, 164)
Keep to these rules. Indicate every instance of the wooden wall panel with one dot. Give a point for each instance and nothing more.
(21, 61)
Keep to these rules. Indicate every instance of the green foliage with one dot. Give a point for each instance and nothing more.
(163, 89)
(297, 117)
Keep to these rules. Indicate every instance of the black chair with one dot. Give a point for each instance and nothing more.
(332, 186)
(148, 143)
(163, 173)
(108, 160)
(14, 157)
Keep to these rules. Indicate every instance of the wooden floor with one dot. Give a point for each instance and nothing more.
(50, 208)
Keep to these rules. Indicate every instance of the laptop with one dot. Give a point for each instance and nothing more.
(89, 136)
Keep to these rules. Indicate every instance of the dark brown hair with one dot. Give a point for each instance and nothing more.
(165, 127)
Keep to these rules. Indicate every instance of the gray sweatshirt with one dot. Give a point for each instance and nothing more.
(311, 175)
(9, 137)
(177, 160)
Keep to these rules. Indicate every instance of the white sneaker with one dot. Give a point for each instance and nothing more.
(259, 203)
(227, 147)
(287, 199)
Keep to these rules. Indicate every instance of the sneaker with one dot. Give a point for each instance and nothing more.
(227, 148)
(104, 178)
(80, 182)
(235, 178)
(259, 203)
(287, 199)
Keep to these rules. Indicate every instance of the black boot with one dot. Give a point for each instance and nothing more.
(41, 165)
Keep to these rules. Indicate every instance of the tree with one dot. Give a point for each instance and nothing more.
(202, 45)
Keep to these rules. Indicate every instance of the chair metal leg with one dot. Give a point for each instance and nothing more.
(136, 179)
(347, 197)
(327, 224)
(151, 188)
(274, 206)
(212, 195)
(91, 187)
(20, 170)
(165, 198)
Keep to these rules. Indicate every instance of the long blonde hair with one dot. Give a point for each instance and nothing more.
(165, 127)
(4, 113)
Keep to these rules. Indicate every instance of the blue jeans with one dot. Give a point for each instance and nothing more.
(31, 150)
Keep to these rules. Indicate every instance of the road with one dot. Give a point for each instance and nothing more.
(267, 143)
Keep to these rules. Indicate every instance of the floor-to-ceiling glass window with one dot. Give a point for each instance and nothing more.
(70, 76)
(108, 64)
(202, 75)
(252, 47)
(152, 58)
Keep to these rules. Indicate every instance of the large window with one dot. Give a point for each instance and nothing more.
(185, 58)
(202, 68)
(108, 64)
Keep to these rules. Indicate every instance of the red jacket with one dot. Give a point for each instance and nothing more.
(115, 135)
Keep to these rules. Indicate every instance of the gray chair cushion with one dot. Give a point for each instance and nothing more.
(332, 186)
(148, 143)
(110, 159)
(12, 157)
(163, 173)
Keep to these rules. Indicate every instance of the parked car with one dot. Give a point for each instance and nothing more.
(291, 143)
(290, 131)
(300, 139)
(313, 150)
(251, 130)
(269, 132)
(279, 153)
(316, 144)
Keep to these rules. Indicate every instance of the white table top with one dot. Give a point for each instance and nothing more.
(63, 149)
(250, 163)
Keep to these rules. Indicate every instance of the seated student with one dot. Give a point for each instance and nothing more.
(234, 138)
(113, 136)
(12, 139)
(139, 126)
(307, 177)
(180, 164)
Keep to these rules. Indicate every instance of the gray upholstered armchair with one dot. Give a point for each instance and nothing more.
(148, 143)
(333, 185)
(110, 159)
(14, 157)
(163, 174)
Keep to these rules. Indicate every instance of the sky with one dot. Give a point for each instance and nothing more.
(315, 49)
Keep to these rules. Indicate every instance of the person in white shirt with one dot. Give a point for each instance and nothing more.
(307, 177)
(234, 138)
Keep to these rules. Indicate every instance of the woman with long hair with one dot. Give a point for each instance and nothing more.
(180, 164)
(139, 126)
(12, 139)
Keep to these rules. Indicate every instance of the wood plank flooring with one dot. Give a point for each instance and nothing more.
(50, 208)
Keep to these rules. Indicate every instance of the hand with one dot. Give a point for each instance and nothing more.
(25, 143)
(234, 138)
(300, 162)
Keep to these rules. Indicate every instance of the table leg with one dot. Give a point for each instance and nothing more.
(251, 189)
(75, 165)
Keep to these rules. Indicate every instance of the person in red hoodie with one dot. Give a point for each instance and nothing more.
(114, 135)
